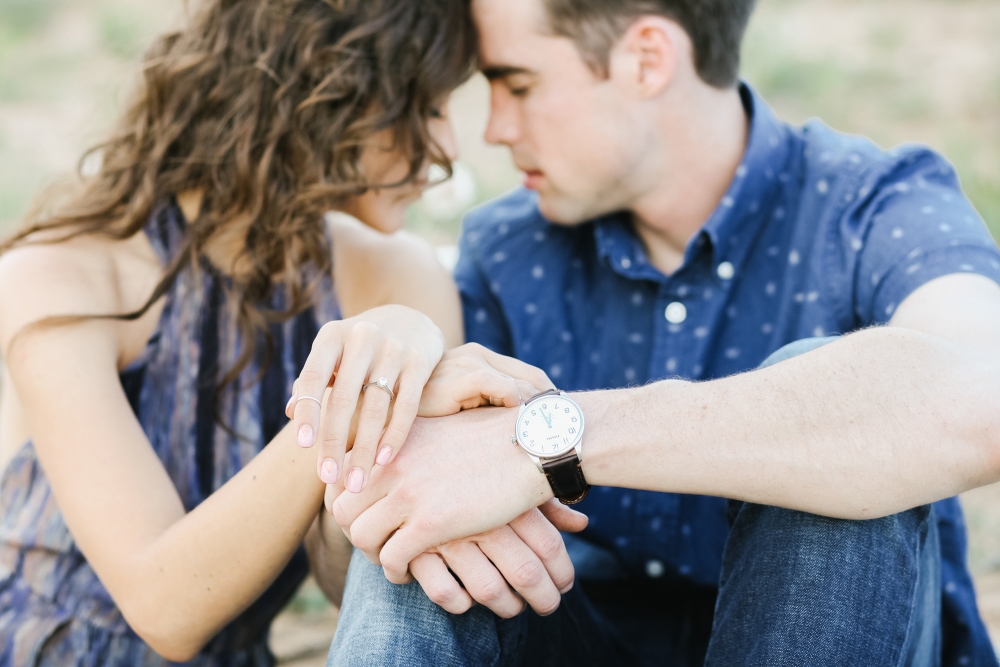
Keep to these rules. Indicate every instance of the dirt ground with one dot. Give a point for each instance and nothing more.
(894, 70)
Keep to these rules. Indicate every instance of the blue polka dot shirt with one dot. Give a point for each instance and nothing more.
(819, 234)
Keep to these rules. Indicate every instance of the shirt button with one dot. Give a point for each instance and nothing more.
(626, 263)
(726, 271)
(676, 312)
(654, 568)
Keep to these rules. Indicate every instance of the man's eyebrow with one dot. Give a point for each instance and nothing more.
(503, 71)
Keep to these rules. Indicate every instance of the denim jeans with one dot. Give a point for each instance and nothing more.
(795, 590)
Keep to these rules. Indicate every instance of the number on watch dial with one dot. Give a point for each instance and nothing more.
(555, 433)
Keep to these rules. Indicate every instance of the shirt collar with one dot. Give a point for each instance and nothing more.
(752, 198)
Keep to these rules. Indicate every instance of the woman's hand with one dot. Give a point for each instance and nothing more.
(471, 376)
(394, 343)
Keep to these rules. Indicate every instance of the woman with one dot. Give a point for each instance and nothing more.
(153, 321)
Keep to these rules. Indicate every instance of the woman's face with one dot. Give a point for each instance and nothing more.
(385, 209)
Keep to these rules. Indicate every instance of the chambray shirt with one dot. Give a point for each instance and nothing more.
(819, 234)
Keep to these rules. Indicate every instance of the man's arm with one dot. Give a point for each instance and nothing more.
(881, 421)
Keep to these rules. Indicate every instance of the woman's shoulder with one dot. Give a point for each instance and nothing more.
(84, 275)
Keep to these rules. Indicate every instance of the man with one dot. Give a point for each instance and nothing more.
(673, 230)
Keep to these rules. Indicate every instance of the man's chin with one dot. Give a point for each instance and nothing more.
(563, 211)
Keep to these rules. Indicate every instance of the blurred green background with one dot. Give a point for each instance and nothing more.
(897, 71)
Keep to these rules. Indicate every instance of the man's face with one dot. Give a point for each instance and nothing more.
(577, 137)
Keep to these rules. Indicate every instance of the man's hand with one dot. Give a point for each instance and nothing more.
(523, 562)
(456, 477)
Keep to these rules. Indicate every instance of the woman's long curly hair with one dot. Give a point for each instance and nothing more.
(265, 106)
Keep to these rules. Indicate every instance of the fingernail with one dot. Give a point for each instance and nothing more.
(355, 480)
(305, 435)
(328, 471)
(384, 455)
(566, 590)
(288, 405)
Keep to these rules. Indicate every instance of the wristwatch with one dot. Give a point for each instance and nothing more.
(550, 430)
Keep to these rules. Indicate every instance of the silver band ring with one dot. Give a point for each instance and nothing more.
(309, 398)
(382, 384)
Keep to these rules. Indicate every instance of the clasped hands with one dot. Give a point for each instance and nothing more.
(450, 501)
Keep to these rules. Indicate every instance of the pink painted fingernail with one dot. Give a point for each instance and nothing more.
(355, 480)
(288, 405)
(328, 471)
(384, 455)
(305, 435)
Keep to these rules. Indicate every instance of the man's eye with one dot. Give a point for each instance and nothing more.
(519, 92)
(435, 112)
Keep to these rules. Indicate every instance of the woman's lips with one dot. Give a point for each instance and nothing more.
(533, 179)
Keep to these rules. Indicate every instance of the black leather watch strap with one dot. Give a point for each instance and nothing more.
(566, 478)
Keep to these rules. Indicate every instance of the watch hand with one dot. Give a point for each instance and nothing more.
(546, 417)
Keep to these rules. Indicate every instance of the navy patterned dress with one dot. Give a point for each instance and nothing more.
(53, 608)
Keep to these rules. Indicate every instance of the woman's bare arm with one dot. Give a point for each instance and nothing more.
(372, 269)
(177, 578)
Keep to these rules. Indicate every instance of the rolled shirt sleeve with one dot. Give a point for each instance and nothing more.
(920, 227)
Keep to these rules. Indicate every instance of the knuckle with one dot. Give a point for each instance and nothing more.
(330, 329)
(341, 517)
(407, 404)
(363, 540)
(550, 547)
(490, 591)
(374, 403)
(440, 593)
(311, 376)
(341, 400)
(364, 330)
(527, 574)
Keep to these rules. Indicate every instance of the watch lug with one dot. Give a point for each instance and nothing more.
(538, 462)
(579, 450)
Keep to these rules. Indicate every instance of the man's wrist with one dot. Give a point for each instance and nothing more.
(605, 412)
(621, 425)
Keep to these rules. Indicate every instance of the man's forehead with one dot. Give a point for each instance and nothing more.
(510, 32)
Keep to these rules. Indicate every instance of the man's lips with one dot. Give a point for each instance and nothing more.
(533, 179)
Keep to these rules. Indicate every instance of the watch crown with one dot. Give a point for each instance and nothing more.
(513, 440)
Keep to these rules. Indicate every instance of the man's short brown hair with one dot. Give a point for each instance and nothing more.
(716, 29)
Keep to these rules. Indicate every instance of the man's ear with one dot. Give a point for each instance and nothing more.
(648, 54)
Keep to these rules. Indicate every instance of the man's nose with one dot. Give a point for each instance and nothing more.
(501, 128)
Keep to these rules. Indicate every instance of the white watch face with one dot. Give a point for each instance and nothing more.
(550, 426)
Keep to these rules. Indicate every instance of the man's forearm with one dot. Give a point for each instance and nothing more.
(875, 423)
